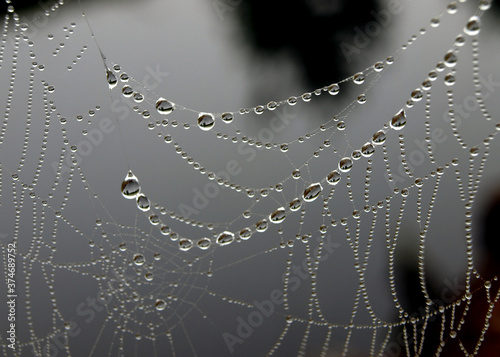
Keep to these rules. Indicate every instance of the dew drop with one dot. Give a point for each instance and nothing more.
(367, 150)
(204, 243)
(272, 105)
(378, 66)
(333, 177)
(452, 8)
(296, 174)
(292, 100)
(245, 233)
(163, 106)
(206, 121)
(334, 89)
(127, 91)
(130, 186)
(345, 164)
(142, 202)
(278, 216)
(379, 137)
(398, 122)
(138, 97)
(165, 230)
(473, 26)
(225, 238)
(139, 259)
(111, 78)
(416, 95)
(484, 5)
(284, 147)
(312, 192)
(449, 80)
(435, 22)
(450, 59)
(361, 99)
(160, 305)
(185, 244)
(356, 155)
(306, 97)
(460, 40)
(295, 204)
(358, 78)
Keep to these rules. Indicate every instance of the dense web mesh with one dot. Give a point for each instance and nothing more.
(344, 220)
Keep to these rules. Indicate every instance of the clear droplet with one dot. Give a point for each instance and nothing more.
(111, 78)
(204, 243)
(358, 78)
(356, 155)
(361, 99)
(227, 117)
(484, 5)
(333, 177)
(261, 226)
(450, 59)
(185, 244)
(378, 66)
(206, 121)
(398, 122)
(278, 216)
(245, 233)
(160, 305)
(460, 40)
(449, 80)
(225, 238)
(130, 186)
(284, 147)
(163, 106)
(127, 91)
(138, 97)
(379, 137)
(345, 164)
(416, 95)
(165, 230)
(154, 220)
(139, 259)
(435, 22)
(312, 192)
(473, 26)
(367, 150)
(452, 8)
(334, 89)
(292, 100)
(142, 202)
(272, 105)
(296, 174)
(295, 204)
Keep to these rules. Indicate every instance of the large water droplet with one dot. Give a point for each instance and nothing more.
(367, 150)
(163, 106)
(278, 216)
(333, 177)
(225, 238)
(261, 226)
(358, 78)
(185, 244)
(206, 121)
(312, 192)
(473, 26)
(295, 204)
(345, 164)
(245, 233)
(111, 78)
(334, 89)
(416, 95)
(204, 243)
(139, 259)
(398, 122)
(450, 59)
(378, 138)
(130, 186)
(160, 305)
(142, 202)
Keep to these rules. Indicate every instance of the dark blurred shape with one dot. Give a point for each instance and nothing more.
(311, 30)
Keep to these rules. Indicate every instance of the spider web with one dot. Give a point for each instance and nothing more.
(283, 228)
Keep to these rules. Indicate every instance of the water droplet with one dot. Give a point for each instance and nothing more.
(165, 230)
(450, 59)
(341, 125)
(474, 151)
(358, 78)
(272, 105)
(312, 192)
(345, 164)
(453, 334)
(334, 89)
(379, 137)
(185, 244)
(361, 99)
(160, 305)
(154, 220)
(163, 106)
(398, 122)
(333, 177)
(378, 66)
(142, 202)
(245, 233)
(139, 259)
(306, 97)
(419, 182)
(356, 155)
(24, 26)
(127, 91)
(484, 5)
(452, 8)
(449, 80)
(111, 78)
(225, 238)
(295, 204)
(261, 226)
(259, 109)
(435, 22)
(473, 26)
(284, 147)
(460, 40)
(138, 97)
(206, 121)
(416, 95)
(296, 174)
(204, 243)
(367, 150)
(130, 186)
(278, 216)
(405, 192)
(148, 276)
(292, 100)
